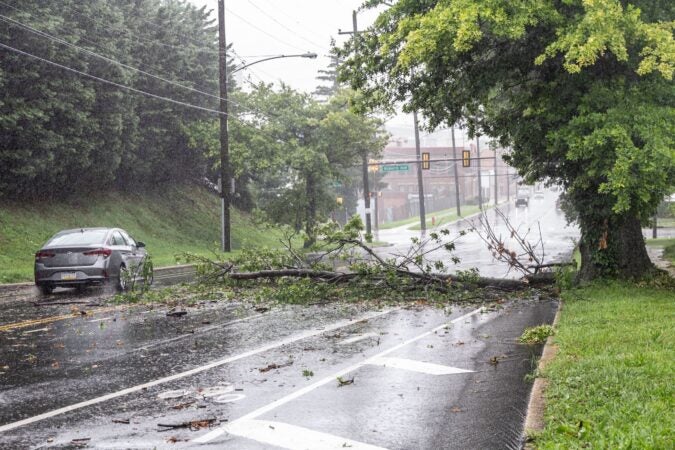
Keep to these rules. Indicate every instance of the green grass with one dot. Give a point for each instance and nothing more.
(611, 383)
(442, 216)
(665, 222)
(448, 215)
(170, 221)
(668, 245)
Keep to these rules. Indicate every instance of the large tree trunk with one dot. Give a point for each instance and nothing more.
(613, 248)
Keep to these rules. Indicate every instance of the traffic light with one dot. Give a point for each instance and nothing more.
(373, 166)
(426, 163)
(466, 158)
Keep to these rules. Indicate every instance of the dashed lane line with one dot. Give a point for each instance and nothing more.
(208, 437)
(418, 366)
(358, 338)
(217, 363)
(284, 435)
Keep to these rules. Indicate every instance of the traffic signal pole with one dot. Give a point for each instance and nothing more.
(454, 156)
(420, 181)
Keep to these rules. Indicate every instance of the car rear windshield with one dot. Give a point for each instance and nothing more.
(83, 237)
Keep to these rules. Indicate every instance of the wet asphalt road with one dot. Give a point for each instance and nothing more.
(559, 237)
(78, 378)
(422, 377)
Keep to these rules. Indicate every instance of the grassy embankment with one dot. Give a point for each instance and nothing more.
(169, 221)
(611, 383)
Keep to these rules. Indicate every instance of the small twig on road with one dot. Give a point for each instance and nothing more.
(193, 425)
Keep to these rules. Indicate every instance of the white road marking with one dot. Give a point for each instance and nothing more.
(329, 379)
(360, 337)
(36, 331)
(418, 366)
(101, 320)
(187, 373)
(292, 437)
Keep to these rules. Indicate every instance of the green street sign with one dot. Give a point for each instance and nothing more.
(394, 168)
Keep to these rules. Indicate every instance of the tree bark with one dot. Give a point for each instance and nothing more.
(615, 248)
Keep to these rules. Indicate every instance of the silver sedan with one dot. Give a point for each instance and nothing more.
(90, 256)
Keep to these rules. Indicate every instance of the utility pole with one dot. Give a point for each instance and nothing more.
(480, 186)
(225, 244)
(420, 182)
(454, 156)
(496, 191)
(366, 187)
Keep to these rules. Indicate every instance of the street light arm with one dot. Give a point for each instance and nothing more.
(300, 55)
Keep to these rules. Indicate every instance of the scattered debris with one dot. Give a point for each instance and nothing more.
(122, 421)
(342, 382)
(80, 441)
(176, 313)
(184, 405)
(261, 309)
(193, 425)
(174, 439)
(274, 366)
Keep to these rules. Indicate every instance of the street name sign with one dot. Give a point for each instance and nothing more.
(394, 167)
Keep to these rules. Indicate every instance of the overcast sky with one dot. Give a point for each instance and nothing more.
(260, 28)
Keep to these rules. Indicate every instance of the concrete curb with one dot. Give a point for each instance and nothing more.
(160, 272)
(534, 420)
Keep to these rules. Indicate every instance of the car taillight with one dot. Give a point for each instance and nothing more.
(43, 254)
(105, 252)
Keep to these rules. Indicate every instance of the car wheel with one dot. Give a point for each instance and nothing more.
(123, 279)
(46, 289)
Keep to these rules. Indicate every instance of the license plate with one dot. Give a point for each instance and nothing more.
(68, 276)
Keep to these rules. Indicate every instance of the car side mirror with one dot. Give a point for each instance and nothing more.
(140, 244)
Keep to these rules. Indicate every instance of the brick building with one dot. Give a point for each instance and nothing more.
(398, 196)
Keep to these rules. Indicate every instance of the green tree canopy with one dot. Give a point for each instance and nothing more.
(287, 150)
(66, 133)
(581, 89)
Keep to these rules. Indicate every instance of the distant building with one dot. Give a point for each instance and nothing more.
(398, 197)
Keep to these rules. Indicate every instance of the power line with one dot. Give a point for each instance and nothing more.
(103, 80)
(85, 39)
(285, 27)
(126, 66)
(61, 41)
(264, 31)
(294, 19)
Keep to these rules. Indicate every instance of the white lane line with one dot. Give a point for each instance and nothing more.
(101, 320)
(358, 338)
(36, 331)
(329, 379)
(418, 366)
(292, 437)
(187, 373)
